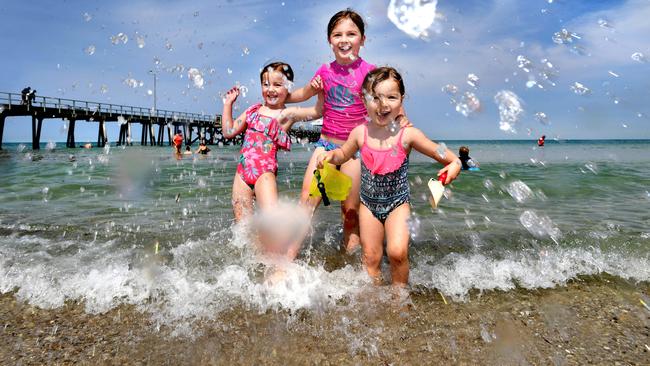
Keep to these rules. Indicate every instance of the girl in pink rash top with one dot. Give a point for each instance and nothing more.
(343, 110)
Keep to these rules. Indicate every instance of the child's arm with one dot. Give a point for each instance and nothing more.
(230, 128)
(306, 92)
(420, 142)
(344, 153)
(292, 115)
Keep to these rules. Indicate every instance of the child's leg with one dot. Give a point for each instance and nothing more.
(397, 243)
(350, 207)
(266, 191)
(372, 242)
(242, 199)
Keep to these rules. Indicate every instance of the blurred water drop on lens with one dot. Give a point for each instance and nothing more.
(442, 150)
(519, 191)
(413, 17)
(564, 37)
(169, 46)
(524, 63)
(87, 17)
(245, 51)
(131, 82)
(51, 145)
(119, 38)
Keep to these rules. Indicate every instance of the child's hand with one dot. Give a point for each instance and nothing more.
(403, 121)
(323, 158)
(231, 95)
(452, 169)
(316, 83)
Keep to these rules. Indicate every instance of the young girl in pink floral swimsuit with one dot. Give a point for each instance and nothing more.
(265, 126)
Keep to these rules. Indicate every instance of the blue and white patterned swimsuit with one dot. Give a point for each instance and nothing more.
(382, 193)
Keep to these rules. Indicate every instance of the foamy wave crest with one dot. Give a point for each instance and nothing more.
(195, 280)
(456, 275)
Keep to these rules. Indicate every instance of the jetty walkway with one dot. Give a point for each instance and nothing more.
(202, 126)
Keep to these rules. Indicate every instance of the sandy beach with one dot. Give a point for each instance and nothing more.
(589, 321)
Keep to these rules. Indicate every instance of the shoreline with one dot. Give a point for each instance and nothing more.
(592, 320)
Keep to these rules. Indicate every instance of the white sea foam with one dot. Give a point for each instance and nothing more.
(456, 275)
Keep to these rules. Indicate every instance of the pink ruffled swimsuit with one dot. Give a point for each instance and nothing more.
(263, 137)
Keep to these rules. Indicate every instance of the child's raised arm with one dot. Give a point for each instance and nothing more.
(344, 153)
(420, 142)
(306, 92)
(292, 115)
(230, 128)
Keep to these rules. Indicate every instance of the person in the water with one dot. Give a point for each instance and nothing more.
(466, 160)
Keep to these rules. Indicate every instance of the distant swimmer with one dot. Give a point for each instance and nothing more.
(466, 160)
(203, 149)
(541, 140)
(178, 142)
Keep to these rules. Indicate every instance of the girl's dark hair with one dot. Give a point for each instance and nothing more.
(347, 13)
(282, 67)
(463, 151)
(378, 75)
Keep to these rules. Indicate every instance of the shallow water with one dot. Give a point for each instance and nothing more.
(83, 225)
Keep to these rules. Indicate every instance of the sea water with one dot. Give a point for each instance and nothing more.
(135, 225)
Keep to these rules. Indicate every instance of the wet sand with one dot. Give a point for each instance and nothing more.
(590, 321)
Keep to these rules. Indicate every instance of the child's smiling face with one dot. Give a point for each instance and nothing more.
(385, 102)
(274, 89)
(346, 41)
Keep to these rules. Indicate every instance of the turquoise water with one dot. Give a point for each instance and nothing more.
(83, 224)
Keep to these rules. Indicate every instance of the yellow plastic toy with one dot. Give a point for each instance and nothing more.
(330, 184)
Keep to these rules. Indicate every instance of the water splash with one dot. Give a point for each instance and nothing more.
(542, 118)
(472, 80)
(639, 57)
(139, 39)
(413, 17)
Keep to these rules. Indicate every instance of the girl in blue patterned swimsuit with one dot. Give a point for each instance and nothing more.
(385, 207)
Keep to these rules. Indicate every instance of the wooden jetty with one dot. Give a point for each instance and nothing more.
(202, 126)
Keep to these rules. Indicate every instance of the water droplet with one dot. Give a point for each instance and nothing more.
(638, 57)
(413, 17)
(119, 38)
(519, 191)
(468, 104)
(542, 118)
(564, 37)
(524, 63)
(472, 80)
(540, 226)
(229, 71)
(90, 50)
(245, 51)
(140, 40)
(169, 46)
(131, 82)
(580, 89)
(196, 77)
(510, 109)
(87, 17)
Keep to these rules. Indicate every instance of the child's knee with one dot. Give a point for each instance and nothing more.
(397, 255)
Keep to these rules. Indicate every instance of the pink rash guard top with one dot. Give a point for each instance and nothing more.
(383, 161)
(343, 108)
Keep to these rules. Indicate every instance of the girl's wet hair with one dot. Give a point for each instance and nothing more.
(463, 151)
(347, 13)
(378, 75)
(282, 67)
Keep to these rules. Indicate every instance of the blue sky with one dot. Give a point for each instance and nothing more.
(47, 46)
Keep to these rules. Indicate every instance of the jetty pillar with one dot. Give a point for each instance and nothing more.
(2, 128)
(169, 135)
(37, 124)
(121, 138)
(70, 141)
(161, 134)
(101, 134)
